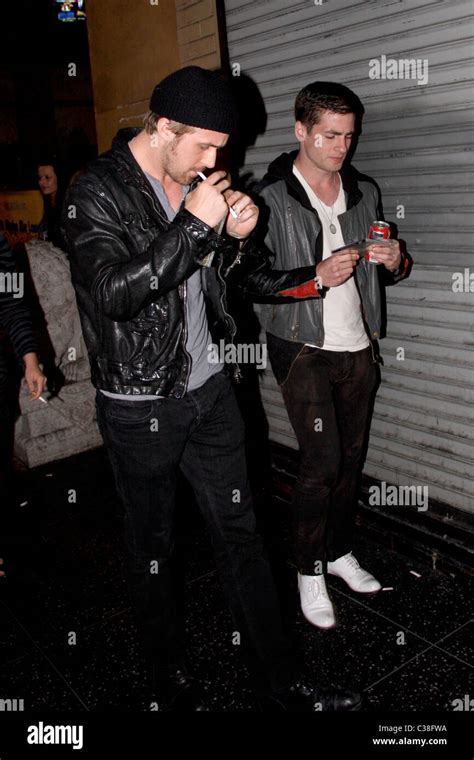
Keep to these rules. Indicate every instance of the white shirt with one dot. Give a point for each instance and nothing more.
(342, 309)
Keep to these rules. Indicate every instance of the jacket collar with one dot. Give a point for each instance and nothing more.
(282, 169)
(128, 168)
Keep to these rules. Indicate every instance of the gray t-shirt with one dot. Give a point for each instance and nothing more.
(199, 337)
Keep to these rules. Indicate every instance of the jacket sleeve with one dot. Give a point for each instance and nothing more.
(256, 275)
(14, 314)
(122, 285)
(403, 271)
(406, 262)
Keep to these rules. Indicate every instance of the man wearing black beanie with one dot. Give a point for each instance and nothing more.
(150, 247)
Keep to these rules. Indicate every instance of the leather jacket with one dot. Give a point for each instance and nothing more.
(129, 266)
(291, 229)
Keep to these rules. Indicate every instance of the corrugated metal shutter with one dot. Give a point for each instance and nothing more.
(417, 144)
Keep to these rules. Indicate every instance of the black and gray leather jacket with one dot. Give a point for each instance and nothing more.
(129, 267)
(292, 231)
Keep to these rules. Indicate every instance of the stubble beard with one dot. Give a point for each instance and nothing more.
(181, 177)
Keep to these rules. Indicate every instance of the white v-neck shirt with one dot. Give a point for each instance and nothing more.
(342, 309)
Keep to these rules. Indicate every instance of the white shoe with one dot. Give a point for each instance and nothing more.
(351, 572)
(315, 602)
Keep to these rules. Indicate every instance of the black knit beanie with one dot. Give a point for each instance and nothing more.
(197, 97)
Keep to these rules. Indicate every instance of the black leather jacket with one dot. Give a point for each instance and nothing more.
(129, 265)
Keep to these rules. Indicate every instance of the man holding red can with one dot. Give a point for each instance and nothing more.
(320, 346)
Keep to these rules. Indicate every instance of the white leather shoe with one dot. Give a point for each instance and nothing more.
(315, 602)
(354, 575)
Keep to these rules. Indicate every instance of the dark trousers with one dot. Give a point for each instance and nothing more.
(328, 396)
(202, 435)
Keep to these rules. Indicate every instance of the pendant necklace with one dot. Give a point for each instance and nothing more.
(332, 226)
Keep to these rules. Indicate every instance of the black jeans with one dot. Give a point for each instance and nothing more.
(202, 434)
(328, 397)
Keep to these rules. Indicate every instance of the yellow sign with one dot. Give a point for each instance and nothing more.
(20, 214)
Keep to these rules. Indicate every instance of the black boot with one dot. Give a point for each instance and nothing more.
(303, 696)
(177, 691)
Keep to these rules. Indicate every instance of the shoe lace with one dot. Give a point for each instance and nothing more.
(351, 560)
(317, 590)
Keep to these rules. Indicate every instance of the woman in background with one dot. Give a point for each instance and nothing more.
(52, 188)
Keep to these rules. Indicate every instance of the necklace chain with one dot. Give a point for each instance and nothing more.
(332, 226)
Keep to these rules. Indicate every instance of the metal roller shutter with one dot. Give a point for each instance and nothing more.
(417, 144)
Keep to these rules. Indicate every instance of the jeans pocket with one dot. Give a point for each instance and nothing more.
(128, 412)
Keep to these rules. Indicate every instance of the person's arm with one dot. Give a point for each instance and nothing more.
(396, 260)
(34, 377)
(16, 318)
(249, 266)
(393, 275)
(14, 314)
(255, 273)
(122, 285)
(252, 272)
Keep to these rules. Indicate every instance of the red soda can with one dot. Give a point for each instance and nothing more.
(377, 231)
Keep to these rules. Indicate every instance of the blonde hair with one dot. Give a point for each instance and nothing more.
(151, 119)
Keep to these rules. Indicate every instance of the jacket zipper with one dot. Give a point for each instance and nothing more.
(233, 329)
(237, 260)
(376, 359)
(153, 199)
(321, 305)
(290, 229)
(183, 290)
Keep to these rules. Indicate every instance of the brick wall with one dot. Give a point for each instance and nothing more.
(198, 35)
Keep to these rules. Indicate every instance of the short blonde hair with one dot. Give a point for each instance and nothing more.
(151, 119)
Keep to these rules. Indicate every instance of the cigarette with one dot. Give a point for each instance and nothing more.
(42, 399)
(232, 212)
(388, 588)
(417, 575)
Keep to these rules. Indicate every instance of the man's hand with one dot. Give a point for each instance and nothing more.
(247, 214)
(336, 269)
(389, 256)
(206, 201)
(34, 377)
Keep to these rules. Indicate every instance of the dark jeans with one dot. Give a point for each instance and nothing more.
(202, 435)
(328, 396)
